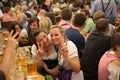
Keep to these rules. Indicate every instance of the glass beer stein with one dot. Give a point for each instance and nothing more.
(32, 64)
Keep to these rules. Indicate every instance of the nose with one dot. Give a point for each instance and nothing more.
(53, 37)
(44, 40)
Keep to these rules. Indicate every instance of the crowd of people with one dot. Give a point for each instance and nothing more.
(83, 45)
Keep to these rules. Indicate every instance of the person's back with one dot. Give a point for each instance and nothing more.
(105, 60)
(76, 37)
(97, 43)
(74, 33)
(66, 16)
(110, 11)
(109, 64)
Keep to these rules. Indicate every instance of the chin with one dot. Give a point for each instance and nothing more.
(56, 43)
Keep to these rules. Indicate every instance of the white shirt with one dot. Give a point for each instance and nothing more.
(114, 71)
(24, 33)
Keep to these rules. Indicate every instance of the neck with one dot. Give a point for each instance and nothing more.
(116, 52)
(77, 28)
(67, 20)
(62, 43)
(105, 33)
(47, 48)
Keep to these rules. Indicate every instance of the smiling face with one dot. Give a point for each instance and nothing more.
(56, 36)
(17, 28)
(33, 25)
(42, 39)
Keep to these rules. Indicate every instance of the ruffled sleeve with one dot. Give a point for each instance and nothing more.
(114, 71)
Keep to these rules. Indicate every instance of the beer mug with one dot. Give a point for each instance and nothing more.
(32, 65)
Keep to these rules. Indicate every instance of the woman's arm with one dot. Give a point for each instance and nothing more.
(8, 54)
(74, 63)
(39, 63)
(69, 51)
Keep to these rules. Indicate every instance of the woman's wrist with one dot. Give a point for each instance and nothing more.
(68, 59)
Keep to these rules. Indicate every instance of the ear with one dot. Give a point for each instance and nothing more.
(106, 31)
(82, 27)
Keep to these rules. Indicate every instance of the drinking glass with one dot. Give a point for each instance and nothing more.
(32, 65)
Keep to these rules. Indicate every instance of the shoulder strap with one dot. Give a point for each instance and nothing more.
(104, 9)
(56, 48)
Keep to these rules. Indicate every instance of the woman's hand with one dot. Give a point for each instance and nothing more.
(12, 42)
(40, 50)
(45, 66)
(64, 50)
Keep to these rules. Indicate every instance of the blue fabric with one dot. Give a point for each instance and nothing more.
(25, 25)
(110, 12)
(50, 64)
(56, 48)
(76, 37)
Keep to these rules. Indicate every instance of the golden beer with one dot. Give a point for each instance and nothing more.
(31, 68)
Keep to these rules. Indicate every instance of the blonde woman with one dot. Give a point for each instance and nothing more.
(45, 24)
(68, 59)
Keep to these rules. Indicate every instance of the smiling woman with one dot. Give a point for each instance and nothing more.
(46, 5)
(23, 35)
(46, 50)
(68, 56)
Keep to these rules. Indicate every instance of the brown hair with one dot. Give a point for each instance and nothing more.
(102, 25)
(66, 14)
(115, 41)
(34, 33)
(87, 13)
(97, 15)
(79, 19)
(118, 9)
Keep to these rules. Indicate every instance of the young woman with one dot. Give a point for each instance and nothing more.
(32, 24)
(68, 56)
(45, 24)
(109, 65)
(46, 50)
(6, 62)
(23, 35)
(46, 5)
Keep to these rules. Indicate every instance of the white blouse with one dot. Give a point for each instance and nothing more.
(114, 71)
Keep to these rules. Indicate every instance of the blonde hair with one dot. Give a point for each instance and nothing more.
(17, 7)
(45, 24)
(24, 8)
(60, 29)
